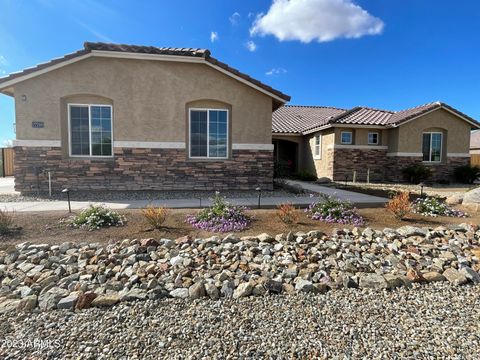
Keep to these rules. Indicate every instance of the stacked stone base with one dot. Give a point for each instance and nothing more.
(141, 169)
(361, 163)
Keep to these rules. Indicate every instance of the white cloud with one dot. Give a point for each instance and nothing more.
(320, 20)
(251, 46)
(3, 61)
(97, 34)
(276, 71)
(234, 18)
(213, 36)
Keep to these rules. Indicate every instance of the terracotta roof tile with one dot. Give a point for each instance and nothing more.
(193, 52)
(297, 119)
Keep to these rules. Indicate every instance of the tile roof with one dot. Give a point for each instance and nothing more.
(302, 120)
(297, 119)
(193, 52)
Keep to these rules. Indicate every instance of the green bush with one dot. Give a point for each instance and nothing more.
(305, 175)
(466, 174)
(416, 173)
(97, 216)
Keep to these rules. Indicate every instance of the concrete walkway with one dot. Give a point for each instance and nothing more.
(7, 185)
(360, 200)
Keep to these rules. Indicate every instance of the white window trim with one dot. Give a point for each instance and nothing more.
(89, 131)
(351, 137)
(378, 138)
(430, 151)
(317, 147)
(208, 157)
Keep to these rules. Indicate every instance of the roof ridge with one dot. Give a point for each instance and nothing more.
(438, 103)
(376, 109)
(316, 107)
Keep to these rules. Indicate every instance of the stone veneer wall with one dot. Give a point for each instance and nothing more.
(383, 167)
(440, 172)
(141, 169)
(345, 161)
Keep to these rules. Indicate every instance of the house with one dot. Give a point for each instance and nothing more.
(475, 142)
(123, 117)
(364, 143)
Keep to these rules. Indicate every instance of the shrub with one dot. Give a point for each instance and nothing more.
(6, 222)
(435, 206)
(416, 173)
(220, 217)
(399, 205)
(332, 210)
(97, 216)
(155, 216)
(287, 213)
(466, 174)
(305, 175)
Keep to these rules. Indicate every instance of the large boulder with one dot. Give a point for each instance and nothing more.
(471, 199)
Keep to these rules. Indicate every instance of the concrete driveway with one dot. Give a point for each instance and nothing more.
(7, 185)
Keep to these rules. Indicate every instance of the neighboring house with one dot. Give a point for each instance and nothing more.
(122, 117)
(475, 142)
(338, 143)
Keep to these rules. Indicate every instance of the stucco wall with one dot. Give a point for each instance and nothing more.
(321, 167)
(409, 136)
(149, 100)
(360, 135)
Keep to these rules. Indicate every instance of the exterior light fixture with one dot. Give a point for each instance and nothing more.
(421, 188)
(259, 190)
(67, 191)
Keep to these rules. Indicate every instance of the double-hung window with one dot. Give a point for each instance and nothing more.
(90, 130)
(318, 147)
(373, 138)
(346, 137)
(432, 147)
(208, 133)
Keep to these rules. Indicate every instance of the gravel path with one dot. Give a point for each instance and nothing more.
(111, 196)
(428, 321)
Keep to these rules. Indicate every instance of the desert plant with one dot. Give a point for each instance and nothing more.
(333, 210)
(155, 216)
(6, 222)
(287, 213)
(97, 216)
(435, 206)
(305, 175)
(399, 205)
(220, 217)
(416, 173)
(466, 174)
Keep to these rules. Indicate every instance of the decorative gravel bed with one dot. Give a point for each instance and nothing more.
(110, 196)
(436, 320)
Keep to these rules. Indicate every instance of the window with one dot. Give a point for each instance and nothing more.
(90, 130)
(208, 133)
(372, 138)
(432, 147)
(346, 137)
(318, 147)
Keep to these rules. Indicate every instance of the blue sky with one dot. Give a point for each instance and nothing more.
(388, 54)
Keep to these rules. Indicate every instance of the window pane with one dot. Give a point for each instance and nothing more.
(198, 133)
(426, 147)
(346, 137)
(436, 147)
(217, 133)
(101, 130)
(79, 132)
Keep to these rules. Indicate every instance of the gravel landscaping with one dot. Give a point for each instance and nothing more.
(428, 321)
(112, 196)
(406, 292)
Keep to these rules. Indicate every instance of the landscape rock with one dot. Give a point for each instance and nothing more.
(373, 281)
(196, 291)
(105, 300)
(68, 303)
(454, 276)
(181, 293)
(243, 290)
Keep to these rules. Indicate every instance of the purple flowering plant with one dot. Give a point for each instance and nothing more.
(330, 209)
(220, 217)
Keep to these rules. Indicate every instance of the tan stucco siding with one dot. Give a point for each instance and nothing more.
(360, 135)
(149, 99)
(456, 133)
(319, 166)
